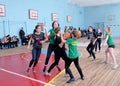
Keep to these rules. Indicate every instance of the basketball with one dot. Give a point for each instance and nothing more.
(66, 35)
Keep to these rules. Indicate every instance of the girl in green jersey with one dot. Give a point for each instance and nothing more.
(110, 50)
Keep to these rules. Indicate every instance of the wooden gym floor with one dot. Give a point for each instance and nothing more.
(96, 74)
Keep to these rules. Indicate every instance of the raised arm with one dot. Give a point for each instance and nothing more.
(46, 31)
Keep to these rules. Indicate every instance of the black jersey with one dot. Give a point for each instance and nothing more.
(92, 36)
(37, 38)
(58, 41)
(99, 34)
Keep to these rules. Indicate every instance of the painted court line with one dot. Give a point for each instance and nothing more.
(23, 76)
(52, 81)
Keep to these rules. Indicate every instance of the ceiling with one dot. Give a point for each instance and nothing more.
(85, 3)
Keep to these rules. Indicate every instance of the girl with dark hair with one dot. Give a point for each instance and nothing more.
(93, 38)
(60, 51)
(38, 38)
(99, 40)
(51, 46)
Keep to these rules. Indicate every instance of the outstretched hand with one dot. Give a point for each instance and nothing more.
(44, 26)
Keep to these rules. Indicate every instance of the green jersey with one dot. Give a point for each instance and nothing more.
(73, 51)
(52, 35)
(110, 40)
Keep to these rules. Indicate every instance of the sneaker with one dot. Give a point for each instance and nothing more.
(89, 56)
(33, 69)
(28, 70)
(44, 69)
(70, 80)
(66, 75)
(94, 60)
(83, 78)
(115, 66)
(106, 62)
(47, 73)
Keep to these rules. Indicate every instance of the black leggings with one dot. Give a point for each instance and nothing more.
(51, 48)
(58, 54)
(35, 56)
(98, 44)
(90, 49)
(76, 63)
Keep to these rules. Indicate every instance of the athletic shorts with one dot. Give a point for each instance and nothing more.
(111, 46)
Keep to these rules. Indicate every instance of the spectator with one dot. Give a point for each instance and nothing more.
(6, 41)
(74, 29)
(14, 41)
(79, 31)
(22, 37)
(65, 29)
(79, 28)
(0, 44)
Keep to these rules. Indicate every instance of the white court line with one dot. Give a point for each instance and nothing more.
(17, 74)
(83, 44)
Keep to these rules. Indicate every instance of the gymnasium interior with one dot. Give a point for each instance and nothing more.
(76, 15)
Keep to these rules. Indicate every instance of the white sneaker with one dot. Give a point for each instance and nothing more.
(66, 75)
(106, 62)
(33, 69)
(48, 74)
(115, 66)
(94, 60)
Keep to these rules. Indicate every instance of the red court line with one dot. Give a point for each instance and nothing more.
(13, 66)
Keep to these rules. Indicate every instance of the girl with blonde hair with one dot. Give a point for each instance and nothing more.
(110, 50)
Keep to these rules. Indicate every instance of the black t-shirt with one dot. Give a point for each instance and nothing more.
(99, 34)
(92, 36)
(37, 38)
(57, 42)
